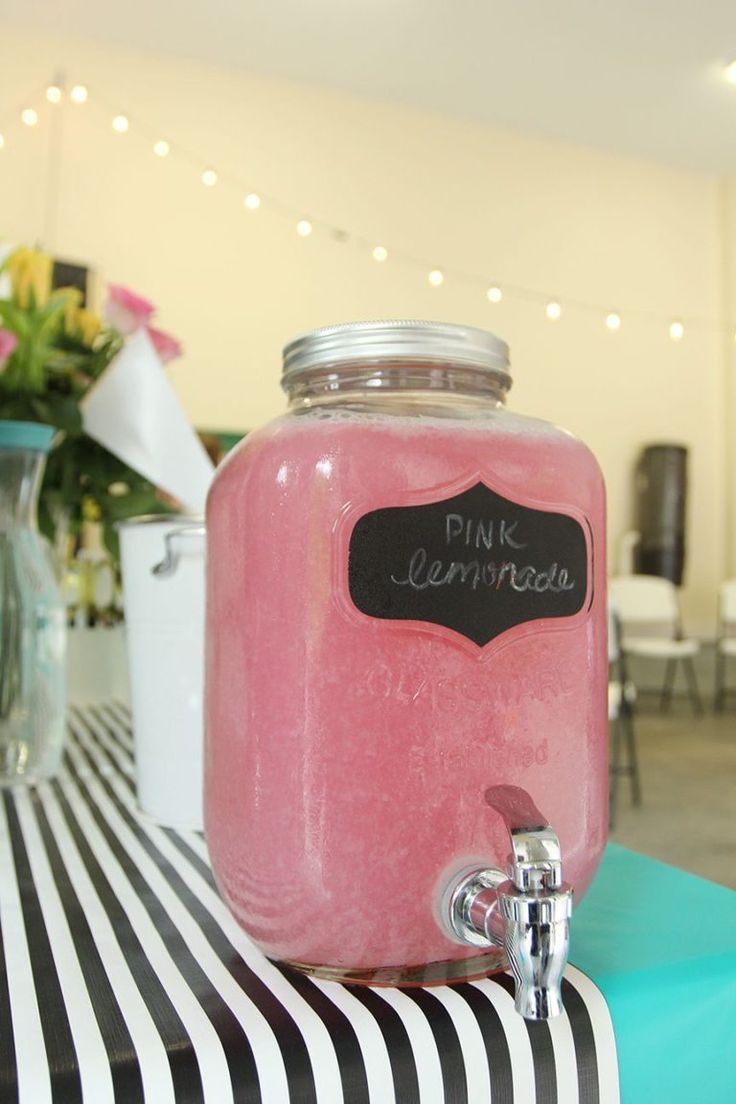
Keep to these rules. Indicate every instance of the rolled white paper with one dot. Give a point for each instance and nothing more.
(135, 413)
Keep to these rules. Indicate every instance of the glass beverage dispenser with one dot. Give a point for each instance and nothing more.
(406, 728)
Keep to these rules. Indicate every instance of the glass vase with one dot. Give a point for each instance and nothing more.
(32, 622)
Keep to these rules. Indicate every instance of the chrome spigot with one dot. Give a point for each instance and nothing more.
(526, 911)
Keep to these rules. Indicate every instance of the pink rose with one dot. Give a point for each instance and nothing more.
(167, 347)
(8, 345)
(125, 310)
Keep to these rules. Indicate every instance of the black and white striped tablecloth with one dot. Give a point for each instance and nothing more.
(124, 978)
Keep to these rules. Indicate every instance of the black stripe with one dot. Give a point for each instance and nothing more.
(185, 1073)
(192, 857)
(66, 1085)
(124, 1067)
(584, 1039)
(8, 1064)
(545, 1069)
(293, 1048)
(81, 719)
(452, 1062)
(494, 1040)
(235, 1043)
(113, 728)
(398, 1044)
(341, 1032)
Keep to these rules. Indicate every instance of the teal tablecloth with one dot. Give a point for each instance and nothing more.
(661, 945)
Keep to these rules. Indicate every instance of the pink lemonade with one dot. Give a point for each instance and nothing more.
(347, 754)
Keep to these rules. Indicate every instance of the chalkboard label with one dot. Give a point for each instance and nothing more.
(477, 563)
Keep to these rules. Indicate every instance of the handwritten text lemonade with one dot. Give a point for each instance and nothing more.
(484, 534)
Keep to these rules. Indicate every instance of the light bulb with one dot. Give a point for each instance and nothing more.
(677, 330)
(2, 141)
(553, 310)
(436, 277)
(380, 253)
(161, 148)
(29, 115)
(304, 228)
(494, 295)
(53, 94)
(79, 94)
(729, 72)
(120, 124)
(613, 321)
(209, 178)
(252, 201)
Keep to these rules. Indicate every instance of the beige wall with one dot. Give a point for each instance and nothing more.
(521, 211)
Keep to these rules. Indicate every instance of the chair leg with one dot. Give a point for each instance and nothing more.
(627, 718)
(692, 683)
(719, 692)
(615, 771)
(668, 685)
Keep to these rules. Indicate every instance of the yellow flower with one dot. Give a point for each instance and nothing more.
(72, 298)
(30, 277)
(91, 510)
(88, 326)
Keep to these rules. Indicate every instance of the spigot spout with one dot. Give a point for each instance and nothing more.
(527, 910)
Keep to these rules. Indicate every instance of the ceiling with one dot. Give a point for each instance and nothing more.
(641, 77)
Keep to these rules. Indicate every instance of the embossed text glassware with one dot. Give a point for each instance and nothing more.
(406, 590)
(32, 626)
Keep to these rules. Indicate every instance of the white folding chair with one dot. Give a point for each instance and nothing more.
(648, 610)
(725, 641)
(621, 699)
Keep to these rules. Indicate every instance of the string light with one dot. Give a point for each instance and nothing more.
(729, 72)
(79, 94)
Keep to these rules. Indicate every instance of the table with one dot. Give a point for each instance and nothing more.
(125, 978)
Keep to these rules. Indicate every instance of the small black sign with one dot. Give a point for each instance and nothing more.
(477, 563)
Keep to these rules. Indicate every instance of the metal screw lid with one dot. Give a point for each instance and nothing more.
(399, 340)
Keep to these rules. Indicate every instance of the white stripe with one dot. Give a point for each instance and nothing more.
(321, 1049)
(197, 843)
(517, 1037)
(426, 1056)
(269, 1061)
(122, 760)
(372, 1044)
(206, 1043)
(605, 1040)
(471, 1042)
(30, 1051)
(148, 1045)
(94, 1066)
(566, 1066)
(120, 717)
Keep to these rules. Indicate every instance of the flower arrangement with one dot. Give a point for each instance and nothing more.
(52, 350)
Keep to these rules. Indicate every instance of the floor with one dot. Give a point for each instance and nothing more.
(688, 777)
